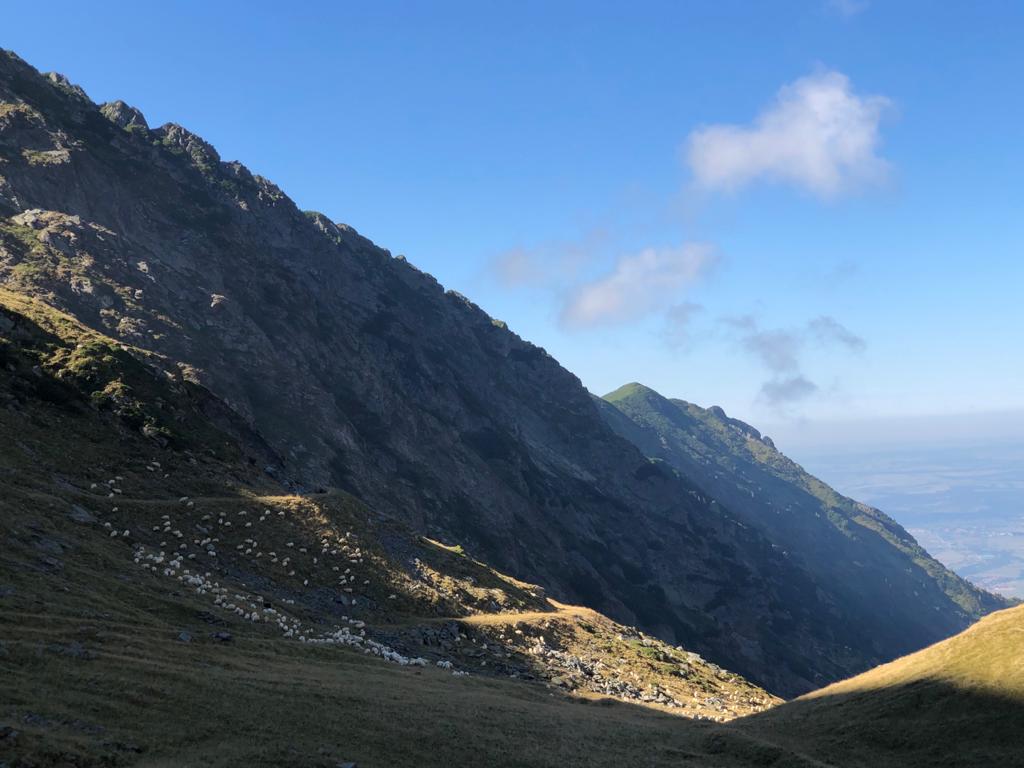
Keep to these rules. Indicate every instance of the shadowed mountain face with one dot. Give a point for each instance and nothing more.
(94, 625)
(360, 371)
(891, 593)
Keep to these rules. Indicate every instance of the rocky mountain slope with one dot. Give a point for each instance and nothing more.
(337, 365)
(166, 602)
(134, 570)
(892, 594)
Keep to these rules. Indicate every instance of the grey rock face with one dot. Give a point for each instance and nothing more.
(124, 116)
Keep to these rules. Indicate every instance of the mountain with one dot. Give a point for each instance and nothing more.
(895, 595)
(163, 600)
(340, 366)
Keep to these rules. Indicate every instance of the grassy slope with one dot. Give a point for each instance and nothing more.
(959, 702)
(93, 669)
(142, 696)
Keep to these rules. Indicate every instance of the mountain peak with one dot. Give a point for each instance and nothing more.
(123, 116)
(632, 389)
(177, 137)
(66, 85)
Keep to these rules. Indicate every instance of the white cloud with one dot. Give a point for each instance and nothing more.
(817, 134)
(778, 350)
(638, 285)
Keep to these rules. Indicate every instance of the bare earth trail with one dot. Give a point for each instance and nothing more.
(560, 611)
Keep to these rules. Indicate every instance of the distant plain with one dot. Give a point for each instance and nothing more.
(964, 503)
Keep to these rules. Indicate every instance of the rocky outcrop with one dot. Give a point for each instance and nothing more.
(124, 116)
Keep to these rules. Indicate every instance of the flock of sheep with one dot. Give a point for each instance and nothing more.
(180, 556)
(193, 539)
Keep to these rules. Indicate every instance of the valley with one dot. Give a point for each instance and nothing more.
(272, 495)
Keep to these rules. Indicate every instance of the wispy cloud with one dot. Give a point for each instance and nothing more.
(637, 285)
(780, 351)
(818, 134)
(847, 8)
(517, 267)
(777, 350)
(548, 263)
(678, 323)
(827, 329)
(787, 389)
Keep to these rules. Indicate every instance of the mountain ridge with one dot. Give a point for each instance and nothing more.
(838, 539)
(361, 372)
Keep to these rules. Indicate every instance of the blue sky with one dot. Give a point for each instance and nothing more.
(804, 211)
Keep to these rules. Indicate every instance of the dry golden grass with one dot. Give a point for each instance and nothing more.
(987, 657)
(959, 702)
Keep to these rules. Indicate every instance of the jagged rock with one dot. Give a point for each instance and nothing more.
(49, 545)
(123, 115)
(71, 88)
(175, 136)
